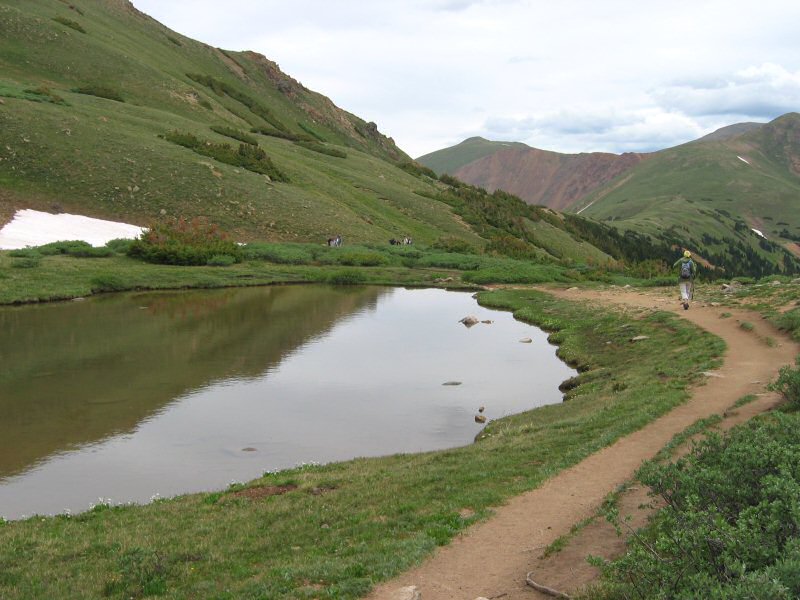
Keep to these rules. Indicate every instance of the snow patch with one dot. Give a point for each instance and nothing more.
(34, 228)
(744, 160)
(585, 207)
(759, 233)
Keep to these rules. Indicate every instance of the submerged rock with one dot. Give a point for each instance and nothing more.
(480, 418)
(526, 341)
(452, 383)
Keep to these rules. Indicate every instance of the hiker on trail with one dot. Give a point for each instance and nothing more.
(687, 271)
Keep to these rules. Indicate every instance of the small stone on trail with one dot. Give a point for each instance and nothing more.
(452, 383)
(712, 374)
(715, 304)
(407, 593)
(572, 289)
(480, 418)
(526, 341)
(639, 338)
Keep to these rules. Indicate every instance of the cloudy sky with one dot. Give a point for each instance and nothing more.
(570, 76)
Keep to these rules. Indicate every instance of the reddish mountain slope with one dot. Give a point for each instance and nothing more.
(550, 178)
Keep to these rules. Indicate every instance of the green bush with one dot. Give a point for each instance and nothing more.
(788, 384)
(119, 245)
(77, 248)
(285, 135)
(417, 169)
(235, 134)
(790, 322)
(731, 525)
(25, 253)
(310, 131)
(452, 244)
(46, 94)
(70, 23)
(99, 91)
(247, 156)
(183, 242)
(221, 260)
(347, 277)
(513, 247)
(321, 149)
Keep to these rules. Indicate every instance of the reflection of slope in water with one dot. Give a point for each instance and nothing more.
(76, 373)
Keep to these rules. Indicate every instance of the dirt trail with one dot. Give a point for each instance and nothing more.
(492, 559)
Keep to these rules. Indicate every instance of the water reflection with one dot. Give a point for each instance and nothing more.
(128, 396)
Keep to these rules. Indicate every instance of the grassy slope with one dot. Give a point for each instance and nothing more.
(449, 160)
(683, 188)
(104, 158)
(348, 525)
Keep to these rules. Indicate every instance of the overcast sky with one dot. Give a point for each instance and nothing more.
(570, 76)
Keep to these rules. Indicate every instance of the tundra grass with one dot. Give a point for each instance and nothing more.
(333, 531)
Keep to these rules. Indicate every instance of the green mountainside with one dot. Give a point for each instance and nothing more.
(709, 195)
(106, 112)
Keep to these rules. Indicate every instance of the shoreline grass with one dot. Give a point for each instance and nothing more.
(335, 530)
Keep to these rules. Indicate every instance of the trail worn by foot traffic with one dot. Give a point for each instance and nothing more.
(491, 559)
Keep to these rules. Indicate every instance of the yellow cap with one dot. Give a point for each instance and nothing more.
(687, 254)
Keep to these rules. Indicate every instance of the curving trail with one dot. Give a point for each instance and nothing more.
(492, 559)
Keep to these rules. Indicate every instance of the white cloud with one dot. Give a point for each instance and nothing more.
(622, 75)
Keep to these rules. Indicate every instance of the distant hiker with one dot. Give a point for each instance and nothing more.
(687, 271)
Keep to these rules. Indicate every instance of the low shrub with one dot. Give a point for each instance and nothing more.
(70, 23)
(321, 149)
(310, 131)
(790, 322)
(347, 277)
(77, 248)
(235, 134)
(25, 253)
(417, 169)
(119, 245)
(46, 94)
(247, 156)
(788, 384)
(183, 242)
(453, 244)
(221, 260)
(99, 91)
(285, 135)
(512, 247)
(731, 525)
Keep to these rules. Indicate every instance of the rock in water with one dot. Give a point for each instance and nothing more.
(452, 383)
(481, 409)
(526, 341)
(480, 418)
(469, 320)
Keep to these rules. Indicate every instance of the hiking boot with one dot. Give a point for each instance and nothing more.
(685, 306)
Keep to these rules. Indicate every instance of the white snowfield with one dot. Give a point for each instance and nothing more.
(759, 233)
(744, 160)
(34, 228)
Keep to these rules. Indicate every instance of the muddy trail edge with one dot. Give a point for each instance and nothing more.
(492, 558)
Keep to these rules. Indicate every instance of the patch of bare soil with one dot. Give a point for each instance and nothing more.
(492, 559)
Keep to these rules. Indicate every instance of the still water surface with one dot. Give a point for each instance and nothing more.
(128, 396)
